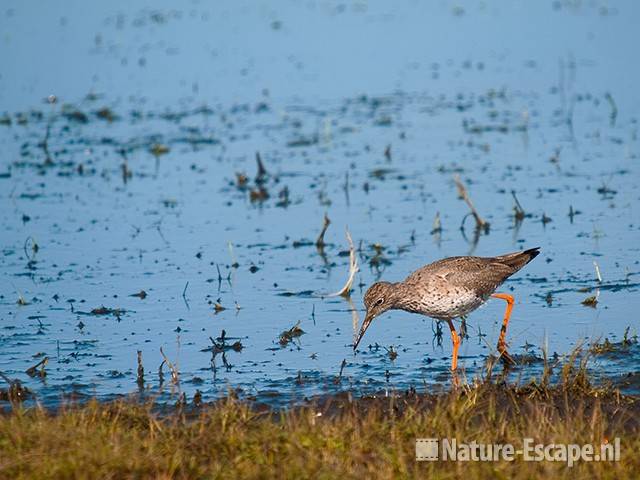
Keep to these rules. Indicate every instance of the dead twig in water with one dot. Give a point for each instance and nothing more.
(614, 109)
(481, 224)
(598, 276)
(140, 377)
(437, 224)
(518, 211)
(16, 392)
(161, 374)
(346, 188)
(48, 161)
(338, 379)
(175, 378)
(262, 174)
(184, 295)
(387, 153)
(353, 269)
(220, 345)
(289, 335)
(592, 301)
(391, 352)
(158, 226)
(342, 365)
(38, 369)
(320, 241)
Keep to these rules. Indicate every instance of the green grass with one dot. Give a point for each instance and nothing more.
(338, 437)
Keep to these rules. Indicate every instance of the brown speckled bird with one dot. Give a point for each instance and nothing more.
(447, 289)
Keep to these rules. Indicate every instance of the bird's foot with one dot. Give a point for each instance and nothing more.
(505, 357)
(455, 381)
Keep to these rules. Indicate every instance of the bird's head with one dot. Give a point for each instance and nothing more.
(377, 300)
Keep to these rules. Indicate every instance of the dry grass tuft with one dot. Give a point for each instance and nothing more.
(335, 437)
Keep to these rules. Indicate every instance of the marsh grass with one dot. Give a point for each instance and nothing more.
(332, 437)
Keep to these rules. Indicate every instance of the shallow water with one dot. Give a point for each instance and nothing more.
(542, 101)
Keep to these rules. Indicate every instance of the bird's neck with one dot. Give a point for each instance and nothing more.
(400, 297)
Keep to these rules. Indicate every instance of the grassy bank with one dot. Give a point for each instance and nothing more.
(335, 437)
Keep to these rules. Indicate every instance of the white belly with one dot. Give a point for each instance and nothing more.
(450, 306)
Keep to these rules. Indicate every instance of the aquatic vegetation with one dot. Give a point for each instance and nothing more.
(290, 334)
(345, 291)
(481, 223)
(328, 436)
(38, 370)
(120, 199)
(606, 347)
(158, 149)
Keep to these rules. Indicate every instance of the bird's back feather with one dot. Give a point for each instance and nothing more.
(481, 275)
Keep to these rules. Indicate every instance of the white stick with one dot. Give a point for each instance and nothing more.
(353, 269)
(598, 276)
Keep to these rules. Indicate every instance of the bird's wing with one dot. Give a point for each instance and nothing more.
(476, 273)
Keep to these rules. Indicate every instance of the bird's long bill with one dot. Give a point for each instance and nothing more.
(365, 324)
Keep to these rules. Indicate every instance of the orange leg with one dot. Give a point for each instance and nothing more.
(456, 345)
(502, 345)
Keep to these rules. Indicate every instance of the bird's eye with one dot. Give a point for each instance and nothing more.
(380, 301)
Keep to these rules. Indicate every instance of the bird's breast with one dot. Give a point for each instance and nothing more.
(445, 304)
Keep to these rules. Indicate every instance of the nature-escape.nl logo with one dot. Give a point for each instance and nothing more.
(450, 449)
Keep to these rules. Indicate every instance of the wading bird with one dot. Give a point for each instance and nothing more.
(448, 289)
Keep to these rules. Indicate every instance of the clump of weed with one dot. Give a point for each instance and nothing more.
(290, 334)
(329, 437)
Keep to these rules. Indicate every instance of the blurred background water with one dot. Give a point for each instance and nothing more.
(129, 134)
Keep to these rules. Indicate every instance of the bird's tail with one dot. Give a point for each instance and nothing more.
(519, 259)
